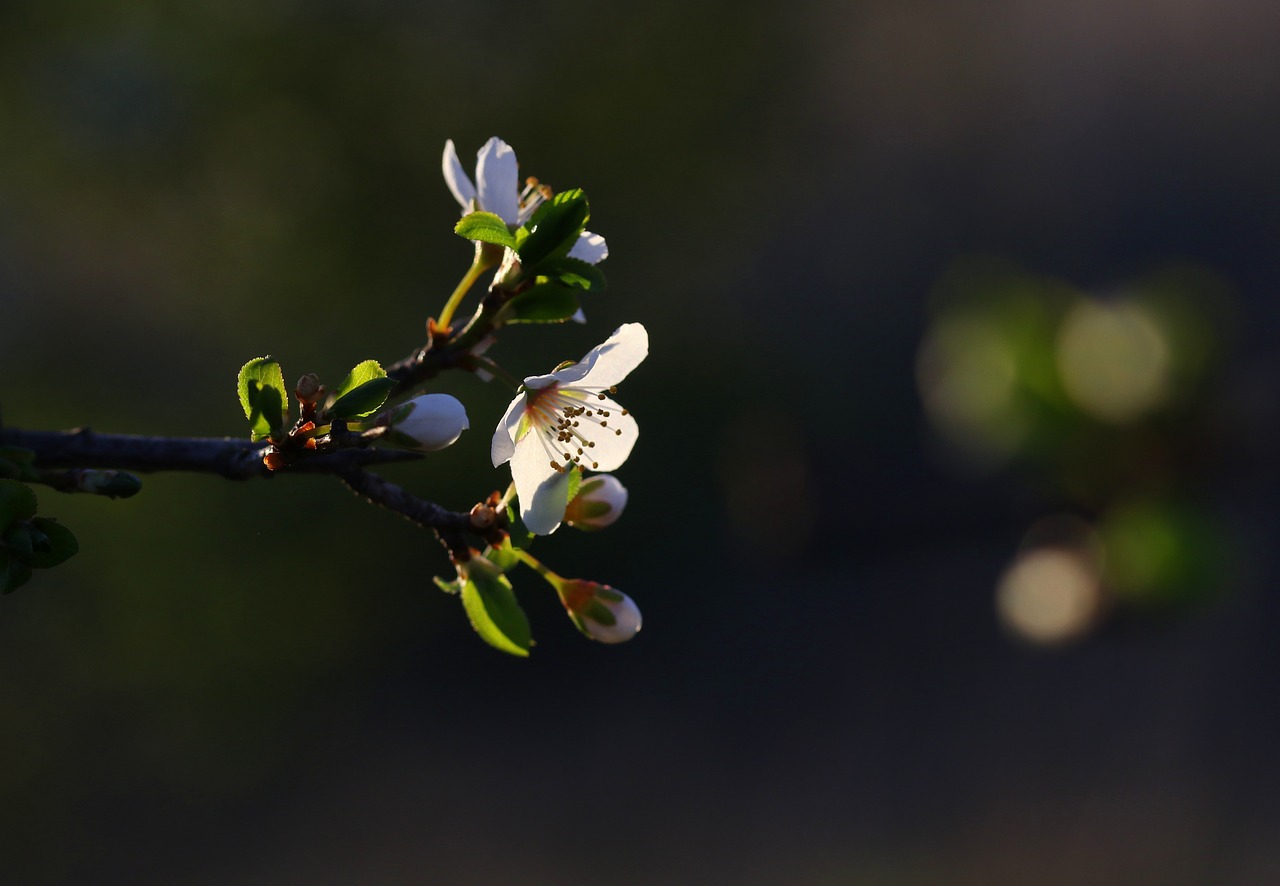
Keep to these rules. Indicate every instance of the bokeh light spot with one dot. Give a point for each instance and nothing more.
(1114, 360)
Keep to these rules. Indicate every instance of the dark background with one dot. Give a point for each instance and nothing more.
(258, 683)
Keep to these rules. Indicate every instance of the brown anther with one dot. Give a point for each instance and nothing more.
(531, 182)
(600, 396)
(274, 461)
(545, 191)
(482, 516)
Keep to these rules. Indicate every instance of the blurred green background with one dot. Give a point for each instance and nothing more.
(258, 683)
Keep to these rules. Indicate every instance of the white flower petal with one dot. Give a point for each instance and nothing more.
(503, 445)
(590, 248)
(543, 491)
(579, 317)
(611, 448)
(498, 180)
(456, 178)
(611, 362)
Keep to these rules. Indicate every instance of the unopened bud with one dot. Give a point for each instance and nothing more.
(509, 272)
(601, 612)
(599, 502)
(309, 389)
(430, 422)
(113, 484)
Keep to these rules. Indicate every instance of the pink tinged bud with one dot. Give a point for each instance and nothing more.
(431, 421)
(599, 502)
(601, 612)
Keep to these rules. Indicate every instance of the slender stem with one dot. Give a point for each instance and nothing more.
(536, 565)
(478, 267)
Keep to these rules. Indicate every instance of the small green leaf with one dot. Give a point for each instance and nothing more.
(493, 610)
(60, 545)
(544, 303)
(263, 396)
(20, 543)
(573, 272)
(17, 502)
(503, 556)
(485, 227)
(13, 573)
(363, 399)
(359, 374)
(553, 229)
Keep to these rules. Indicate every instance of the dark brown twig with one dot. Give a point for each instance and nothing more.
(225, 457)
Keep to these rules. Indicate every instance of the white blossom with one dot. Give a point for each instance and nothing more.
(565, 420)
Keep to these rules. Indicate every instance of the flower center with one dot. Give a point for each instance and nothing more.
(531, 197)
(568, 421)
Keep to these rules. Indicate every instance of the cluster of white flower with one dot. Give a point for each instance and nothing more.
(563, 422)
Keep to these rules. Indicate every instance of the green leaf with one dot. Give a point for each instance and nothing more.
(13, 573)
(19, 541)
(363, 399)
(544, 303)
(485, 227)
(60, 544)
(553, 229)
(492, 608)
(359, 374)
(503, 556)
(573, 272)
(17, 502)
(263, 396)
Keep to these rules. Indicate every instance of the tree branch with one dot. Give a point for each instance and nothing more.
(225, 457)
(449, 526)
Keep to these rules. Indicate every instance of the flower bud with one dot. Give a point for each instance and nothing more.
(599, 611)
(509, 272)
(430, 422)
(598, 504)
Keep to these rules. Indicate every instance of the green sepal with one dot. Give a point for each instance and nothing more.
(485, 227)
(263, 397)
(544, 303)
(17, 502)
(449, 587)
(58, 546)
(13, 573)
(553, 230)
(493, 610)
(575, 484)
(574, 272)
(363, 399)
(593, 510)
(600, 614)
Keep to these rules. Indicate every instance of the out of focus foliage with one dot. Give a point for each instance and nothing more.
(1106, 404)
